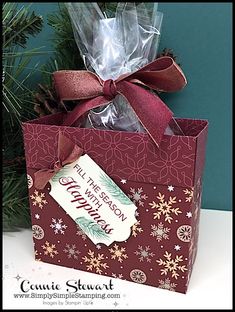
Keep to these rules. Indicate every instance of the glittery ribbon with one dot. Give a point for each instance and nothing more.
(67, 153)
(161, 75)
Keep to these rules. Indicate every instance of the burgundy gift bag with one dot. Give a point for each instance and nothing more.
(165, 183)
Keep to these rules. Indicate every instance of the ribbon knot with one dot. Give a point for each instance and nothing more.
(109, 89)
(163, 75)
(67, 153)
(58, 165)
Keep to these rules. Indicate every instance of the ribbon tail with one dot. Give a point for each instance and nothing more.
(68, 152)
(82, 108)
(42, 177)
(149, 108)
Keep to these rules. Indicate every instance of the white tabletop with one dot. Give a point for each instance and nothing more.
(210, 285)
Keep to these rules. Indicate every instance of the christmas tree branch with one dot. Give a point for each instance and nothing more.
(18, 24)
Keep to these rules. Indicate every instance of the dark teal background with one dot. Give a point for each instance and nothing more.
(200, 34)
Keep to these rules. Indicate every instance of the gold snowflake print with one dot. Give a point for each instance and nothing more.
(117, 275)
(95, 262)
(171, 265)
(136, 229)
(189, 195)
(38, 199)
(49, 249)
(165, 208)
(36, 254)
(167, 284)
(118, 253)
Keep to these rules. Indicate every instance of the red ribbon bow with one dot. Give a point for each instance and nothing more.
(68, 152)
(162, 75)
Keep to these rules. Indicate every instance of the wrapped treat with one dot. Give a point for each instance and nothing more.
(112, 47)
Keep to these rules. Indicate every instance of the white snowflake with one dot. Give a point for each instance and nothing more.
(123, 181)
(37, 216)
(98, 246)
(71, 251)
(160, 232)
(144, 253)
(177, 247)
(58, 226)
(137, 196)
(189, 214)
(170, 188)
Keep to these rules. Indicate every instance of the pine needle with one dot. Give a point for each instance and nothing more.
(18, 25)
(114, 190)
(91, 228)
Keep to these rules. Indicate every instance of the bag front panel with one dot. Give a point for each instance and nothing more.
(157, 253)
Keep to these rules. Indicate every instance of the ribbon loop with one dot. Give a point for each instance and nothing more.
(162, 75)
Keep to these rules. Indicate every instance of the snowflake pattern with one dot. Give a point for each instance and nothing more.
(189, 195)
(49, 249)
(113, 146)
(165, 208)
(58, 226)
(184, 233)
(138, 276)
(136, 229)
(144, 253)
(95, 262)
(177, 247)
(36, 255)
(117, 275)
(71, 251)
(81, 233)
(29, 181)
(118, 253)
(170, 188)
(160, 232)
(37, 216)
(137, 196)
(38, 199)
(39, 143)
(38, 231)
(47, 135)
(167, 284)
(171, 265)
(189, 214)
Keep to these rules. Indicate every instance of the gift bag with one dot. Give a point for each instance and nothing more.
(123, 203)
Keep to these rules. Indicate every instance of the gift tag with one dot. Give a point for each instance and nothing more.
(94, 201)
